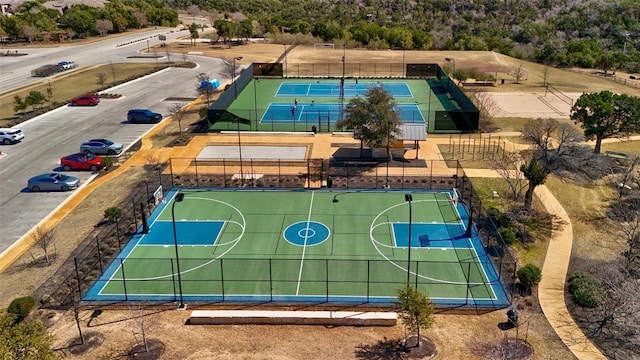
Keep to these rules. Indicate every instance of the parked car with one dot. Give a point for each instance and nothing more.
(143, 116)
(85, 100)
(66, 65)
(101, 146)
(81, 161)
(53, 182)
(11, 136)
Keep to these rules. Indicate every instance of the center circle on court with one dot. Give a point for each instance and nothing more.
(306, 233)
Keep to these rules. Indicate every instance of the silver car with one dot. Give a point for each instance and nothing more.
(53, 182)
(101, 146)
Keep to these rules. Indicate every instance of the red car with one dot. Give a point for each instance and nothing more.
(86, 100)
(81, 161)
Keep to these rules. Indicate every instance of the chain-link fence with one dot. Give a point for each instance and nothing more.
(103, 245)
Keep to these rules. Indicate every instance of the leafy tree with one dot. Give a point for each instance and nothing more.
(416, 310)
(372, 118)
(26, 340)
(81, 19)
(19, 104)
(35, 98)
(605, 114)
(536, 174)
(529, 275)
(193, 29)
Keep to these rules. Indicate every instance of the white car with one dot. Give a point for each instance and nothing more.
(10, 136)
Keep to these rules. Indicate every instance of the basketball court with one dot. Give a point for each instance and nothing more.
(304, 246)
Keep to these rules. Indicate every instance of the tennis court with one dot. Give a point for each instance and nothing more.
(327, 113)
(352, 88)
(304, 246)
(266, 104)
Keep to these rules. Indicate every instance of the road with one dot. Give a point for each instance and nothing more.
(15, 71)
(61, 131)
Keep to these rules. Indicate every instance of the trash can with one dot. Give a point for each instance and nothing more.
(512, 316)
(329, 182)
(314, 129)
(502, 81)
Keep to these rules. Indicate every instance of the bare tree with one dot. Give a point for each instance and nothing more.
(519, 73)
(29, 32)
(43, 237)
(178, 111)
(551, 138)
(486, 105)
(204, 86)
(101, 78)
(508, 170)
(545, 76)
(142, 323)
(141, 17)
(113, 70)
(193, 10)
(103, 26)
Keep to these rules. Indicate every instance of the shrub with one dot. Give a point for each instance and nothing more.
(107, 161)
(529, 275)
(584, 289)
(500, 219)
(21, 307)
(112, 214)
(508, 235)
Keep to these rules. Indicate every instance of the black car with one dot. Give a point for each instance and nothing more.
(143, 116)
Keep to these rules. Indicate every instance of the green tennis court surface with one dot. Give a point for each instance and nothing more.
(304, 246)
(267, 104)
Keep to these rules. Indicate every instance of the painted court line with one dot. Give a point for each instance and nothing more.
(304, 248)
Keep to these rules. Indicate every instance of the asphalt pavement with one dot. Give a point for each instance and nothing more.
(61, 131)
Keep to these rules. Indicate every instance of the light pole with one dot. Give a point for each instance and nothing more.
(255, 103)
(240, 153)
(233, 78)
(386, 186)
(344, 58)
(453, 72)
(179, 197)
(409, 198)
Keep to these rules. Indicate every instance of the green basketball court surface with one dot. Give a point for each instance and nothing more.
(304, 246)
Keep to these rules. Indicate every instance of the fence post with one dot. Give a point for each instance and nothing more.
(124, 280)
(171, 170)
(197, 176)
(99, 254)
(75, 263)
(270, 279)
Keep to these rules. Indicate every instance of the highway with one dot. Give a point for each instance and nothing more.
(61, 131)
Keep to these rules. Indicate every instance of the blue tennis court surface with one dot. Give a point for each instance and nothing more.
(286, 113)
(188, 233)
(332, 89)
